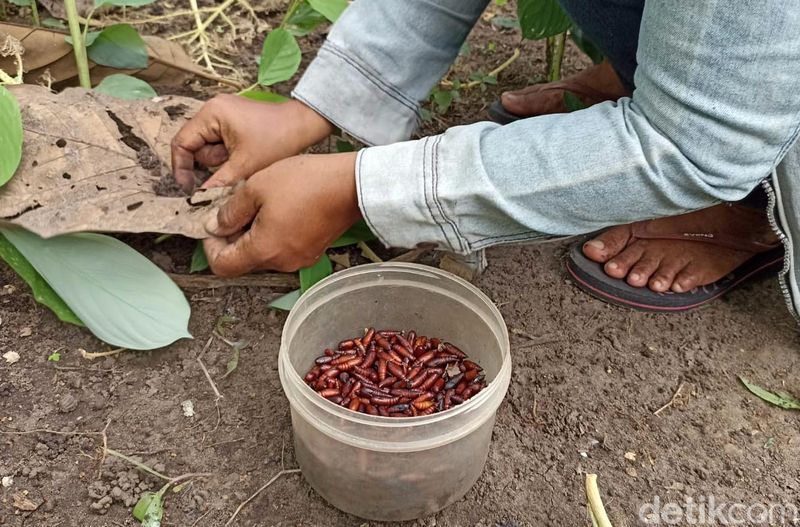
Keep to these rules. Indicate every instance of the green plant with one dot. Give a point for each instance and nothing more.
(54, 357)
(116, 46)
(544, 19)
(778, 398)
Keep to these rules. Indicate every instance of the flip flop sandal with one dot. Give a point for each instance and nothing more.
(589, 275)
(587, 95)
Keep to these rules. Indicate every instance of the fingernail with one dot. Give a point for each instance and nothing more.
(634, 277)
(212, 225)
(677, 287)
(611, 265)
(510, 95)
(597, 244)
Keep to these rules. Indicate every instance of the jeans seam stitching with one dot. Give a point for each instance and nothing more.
(425, 188)
(463, 245)
(384, 86)
(361, 199)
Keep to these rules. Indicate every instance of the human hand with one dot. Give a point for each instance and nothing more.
(242, 136)
(295, 210)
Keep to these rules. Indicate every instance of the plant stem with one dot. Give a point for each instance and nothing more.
(77, 44)
(555, 55)
(289, 12)
(86, 23)
(140, 466)
(35, 13)
(596, 507)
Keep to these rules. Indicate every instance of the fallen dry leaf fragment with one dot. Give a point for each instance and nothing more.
(11, 357)
(92, 163)
(26, 332)
(24, 503)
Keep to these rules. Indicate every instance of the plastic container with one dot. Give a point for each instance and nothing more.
(384, 468)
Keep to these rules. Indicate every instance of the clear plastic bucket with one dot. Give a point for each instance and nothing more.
(384, 468)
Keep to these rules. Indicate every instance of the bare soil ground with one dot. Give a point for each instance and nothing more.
(588, 379)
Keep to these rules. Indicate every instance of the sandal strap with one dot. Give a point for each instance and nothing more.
(644, 230)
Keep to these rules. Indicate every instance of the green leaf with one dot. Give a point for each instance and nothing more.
(149, 510)
(345, 146)
(311, 275)
(122, 3)
(508, 22)
(264, 96)
(91, 36)
(331, 9)
(781, 399)
(119, 46)
(54, 357)
(42, 292)
(280, 58)
(10, 135)
(54, 23)
(586, 45)
(21, 3)
(199, 260)
(572, 102)
(442, 100)
(233, 362)
(304, 20)
(287, 301)
(125, 87)
(122, 297)
(359, 232)
(541, 18)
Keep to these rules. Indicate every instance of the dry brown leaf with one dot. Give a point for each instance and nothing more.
(92, 163)
(46, 50)
(23, 502)
(56, 7)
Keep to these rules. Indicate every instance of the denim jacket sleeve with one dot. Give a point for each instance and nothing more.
(716, 106)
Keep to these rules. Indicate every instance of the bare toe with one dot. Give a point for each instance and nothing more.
(686, 280)
(607, 244)
(644, 268)
(619, 266)
(664, 276)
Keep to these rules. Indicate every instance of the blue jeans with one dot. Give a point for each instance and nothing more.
(715, 110)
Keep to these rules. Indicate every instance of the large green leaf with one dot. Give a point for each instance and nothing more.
(125, 87)
(781, 399)
(359, 232)
(586, 45)
(542, 18)
(311, 275)
(122, 3)
(331, 9)
(199, 259)
(264, 96)
(42, 292)
(119, 46)
(10, 135)
(304, 20)
(280, 58)
(122, 297)
(287, 301)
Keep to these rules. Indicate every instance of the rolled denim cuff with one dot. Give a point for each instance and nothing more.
(398, 198)
(349, 94)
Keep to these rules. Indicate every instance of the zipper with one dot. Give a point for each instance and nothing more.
(772, 206)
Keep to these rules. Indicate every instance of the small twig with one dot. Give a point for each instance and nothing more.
(256, 493)
(368, 253)
(99, 354)
(49, 431)
(201, 517)
(411, 256)
(494, 73)
(225, 442)
(205, 370)
(137, 464)
(671, 401)
(273, 280)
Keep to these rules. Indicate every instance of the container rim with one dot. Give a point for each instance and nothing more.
(499, 383)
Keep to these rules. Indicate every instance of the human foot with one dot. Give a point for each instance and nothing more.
(592, 85)
(682, 252)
